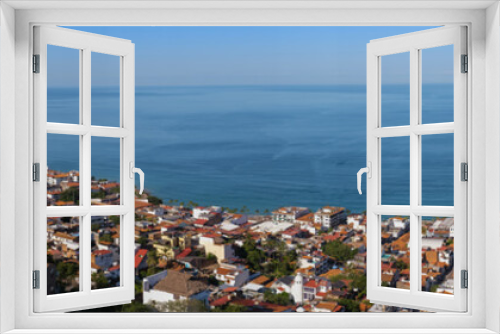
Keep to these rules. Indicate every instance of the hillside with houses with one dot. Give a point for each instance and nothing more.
(192, 258)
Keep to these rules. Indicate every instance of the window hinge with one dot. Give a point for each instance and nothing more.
(36, 172)
(464, 171)
(465, 64)
(36, 63)
(36, 279)
(464, 275)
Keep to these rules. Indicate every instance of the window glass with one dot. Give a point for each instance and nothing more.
(63, 85)
(105, 89)
(63, 176)
(437, 84)
(395, 85)
(63, 255)
(437, 254)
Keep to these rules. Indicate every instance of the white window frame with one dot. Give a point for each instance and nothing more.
(85, 44)
(413, 44)
(482, 19)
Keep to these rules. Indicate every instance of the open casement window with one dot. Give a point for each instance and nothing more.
(417, 246)
(65, 207)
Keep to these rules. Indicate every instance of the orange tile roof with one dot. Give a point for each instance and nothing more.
(139, 257)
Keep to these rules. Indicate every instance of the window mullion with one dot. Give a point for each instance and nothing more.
(85, 176)
(414, 169)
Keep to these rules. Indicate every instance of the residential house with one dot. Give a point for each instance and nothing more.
(171, 285)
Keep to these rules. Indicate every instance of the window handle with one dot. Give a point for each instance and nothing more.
(368, 171)
(139, 171)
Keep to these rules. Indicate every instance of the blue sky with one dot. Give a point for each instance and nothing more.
(248, 56)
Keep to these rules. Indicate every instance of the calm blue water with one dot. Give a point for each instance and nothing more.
(262, 146)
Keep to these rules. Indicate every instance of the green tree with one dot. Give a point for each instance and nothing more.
(115, 219)
(211, 257)
(155, 200)
(67, 270)
(230, 308)
(70, 195)
(143, 241)
(277, 298)
(106, 238)
(99, 194)
(135, 306)
(152, 258)
(349, 304)
(339, 251)
(100, 280)
(186, 305)
(213, 281)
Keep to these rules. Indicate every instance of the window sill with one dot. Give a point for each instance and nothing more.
(251, 331)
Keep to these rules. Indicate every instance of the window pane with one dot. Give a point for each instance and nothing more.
(395, 95)
(63, 85)
(105, 171)
(63, 255)
(395, 240)
(63, 163)
(105, 258)
(437, 254)
(395, 171)
(437, 84)
(437, 170)
(105, 89)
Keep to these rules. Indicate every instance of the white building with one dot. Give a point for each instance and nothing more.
(236, 219)
(233, 275)
(330, 216)
(443, 228)
(271, 227)
(297, 290)
(289, 214)
(203, 213)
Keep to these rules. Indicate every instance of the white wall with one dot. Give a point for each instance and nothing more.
(492, 163)
(7, 168)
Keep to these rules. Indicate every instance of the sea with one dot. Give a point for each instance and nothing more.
(258, 148)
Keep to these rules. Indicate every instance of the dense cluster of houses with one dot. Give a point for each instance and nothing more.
(195, 253)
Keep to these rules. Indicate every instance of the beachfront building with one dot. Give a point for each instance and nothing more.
(289, 214)
(330, 216)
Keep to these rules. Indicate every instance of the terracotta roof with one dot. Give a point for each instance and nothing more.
(180, 283)
(311, 284)
(224, 271)
(331, 306)
(184, 253)
(431, 257)
(140, 256)
(221, 301)
(141, 204)
(261, 280)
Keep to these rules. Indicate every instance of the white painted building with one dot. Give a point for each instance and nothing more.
(204, 212)
(289, 214)
(330, 216)
(297, 289)
(233, 275)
